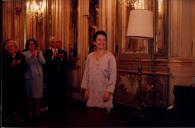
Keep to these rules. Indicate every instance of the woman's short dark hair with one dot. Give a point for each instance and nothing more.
(99, 33)
(33, 40)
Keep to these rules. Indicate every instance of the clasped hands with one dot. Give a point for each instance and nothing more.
(34, 53)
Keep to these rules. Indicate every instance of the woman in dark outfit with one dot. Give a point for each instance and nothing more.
(13, 85)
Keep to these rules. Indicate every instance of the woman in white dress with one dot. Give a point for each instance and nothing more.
(99, 80)
(34, 76)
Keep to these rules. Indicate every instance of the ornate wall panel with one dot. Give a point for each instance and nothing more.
(181, 43)
(60, 18)
(152, 92)
(181, 29)
(153, 82)
(83, 35)
(161, 30)
(13, 21)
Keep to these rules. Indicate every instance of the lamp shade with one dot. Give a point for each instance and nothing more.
(140, 24)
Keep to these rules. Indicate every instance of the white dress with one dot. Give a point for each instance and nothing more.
(99, 76)
(34, 75)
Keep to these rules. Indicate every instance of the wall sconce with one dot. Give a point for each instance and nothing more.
(139, 4)
(127, 2)
(36, 9)
(160, 8)
(135, 4)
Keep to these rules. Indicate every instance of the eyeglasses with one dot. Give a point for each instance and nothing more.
(31, 44)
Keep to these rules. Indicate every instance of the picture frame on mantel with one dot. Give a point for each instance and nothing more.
(129, 49)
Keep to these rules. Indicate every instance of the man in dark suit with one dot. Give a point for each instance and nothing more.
(55, 75)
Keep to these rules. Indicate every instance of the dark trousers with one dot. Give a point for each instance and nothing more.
(97, 116)
(56, 97)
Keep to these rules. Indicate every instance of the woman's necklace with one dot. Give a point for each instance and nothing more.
(99, 55)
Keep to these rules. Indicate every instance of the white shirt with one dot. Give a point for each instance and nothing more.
(99, 76)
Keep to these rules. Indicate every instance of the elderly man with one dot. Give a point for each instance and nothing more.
(13, 84)
(55, 77)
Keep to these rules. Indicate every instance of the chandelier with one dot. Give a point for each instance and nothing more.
(36, 9)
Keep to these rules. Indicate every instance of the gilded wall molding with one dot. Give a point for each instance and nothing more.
(180, 29)
(83, 36)
(181, 35)
(13, 23)
(60, 14)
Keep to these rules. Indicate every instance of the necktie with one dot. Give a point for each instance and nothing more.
(54, 53)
